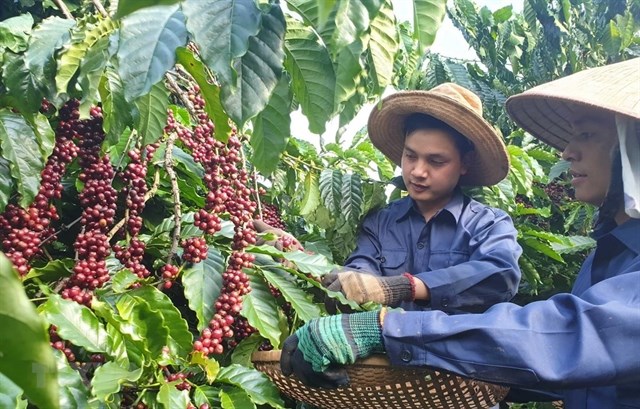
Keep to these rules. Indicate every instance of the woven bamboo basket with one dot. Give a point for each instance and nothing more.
(374, 384)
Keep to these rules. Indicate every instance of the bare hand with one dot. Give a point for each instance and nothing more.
(284, 241)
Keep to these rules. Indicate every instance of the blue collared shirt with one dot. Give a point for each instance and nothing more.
(467, 254)
(585, 343)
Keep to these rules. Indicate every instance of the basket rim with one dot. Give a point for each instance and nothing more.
(375, 381)
(274, 355)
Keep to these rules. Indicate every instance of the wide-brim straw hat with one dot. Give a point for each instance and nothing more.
(544, 111)
(456, 106)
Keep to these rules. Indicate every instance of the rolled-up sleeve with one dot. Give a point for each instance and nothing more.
(564, 342)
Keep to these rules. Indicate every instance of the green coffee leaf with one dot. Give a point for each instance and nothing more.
(171, 398)
(148, 41)
(73, 392)
(202, 283)
(20, 147)
(222, 30)
(108, 379)
(256, 384)
(271, 129)
(26, 357)
(258, 71)
(291, 291)
(259, 307)
(75, 323)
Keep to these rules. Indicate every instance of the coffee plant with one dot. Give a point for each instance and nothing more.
(139, 140)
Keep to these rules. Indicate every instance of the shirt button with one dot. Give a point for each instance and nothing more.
(445, 302)
(405, 355)
(382, 259)
(420, 245)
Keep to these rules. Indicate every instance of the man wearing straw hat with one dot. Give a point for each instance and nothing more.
(584, 343)
(460, 255)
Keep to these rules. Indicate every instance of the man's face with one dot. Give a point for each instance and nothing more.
(589, 151)
(431, 168)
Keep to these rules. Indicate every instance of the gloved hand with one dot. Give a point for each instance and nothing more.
(365, 287)
(282, 237)
(315, 349)
(292, 362)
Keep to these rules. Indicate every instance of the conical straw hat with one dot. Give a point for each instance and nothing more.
(543, 110)
(459, 108)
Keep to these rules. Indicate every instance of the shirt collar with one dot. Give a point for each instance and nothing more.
(454, 207)
(626, 233)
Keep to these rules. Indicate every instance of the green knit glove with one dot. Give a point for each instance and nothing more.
(340, 339)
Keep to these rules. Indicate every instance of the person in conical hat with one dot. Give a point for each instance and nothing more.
(583, 343)
(463, 254)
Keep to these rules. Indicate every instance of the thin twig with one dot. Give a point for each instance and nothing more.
(62, 228)
(296, 159)
(175, 191)
(115, 228)
(47, 254)
(63, 8)
(255, 181)
(154, 187)
(76, 257)
(256, 188)
(459, 60)
(61, 284)
(173, 85)
(132, 137)
(181, 73)
(100, 8)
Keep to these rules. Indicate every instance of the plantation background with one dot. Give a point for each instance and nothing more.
(139, 139)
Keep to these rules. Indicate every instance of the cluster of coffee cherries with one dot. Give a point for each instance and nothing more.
(20, 245)
(136, 187)
(60, 344)
(271, 216)
(225, 178)
(231, 181)
(207, 221)
(169, 272)
(131, 256)
(557, 192)
(182, 386)
(24, 231)
(241, 330)
(228, 193)
(235, 284)
(194, 249)
(288, 243)
(98, 200)
(134, 177)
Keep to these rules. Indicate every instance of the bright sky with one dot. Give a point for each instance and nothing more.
(449, 42)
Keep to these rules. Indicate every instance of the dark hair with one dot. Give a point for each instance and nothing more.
(417, 121)
(615, 194)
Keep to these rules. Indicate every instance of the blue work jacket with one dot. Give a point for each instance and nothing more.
(467, 254)
(585, 343)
